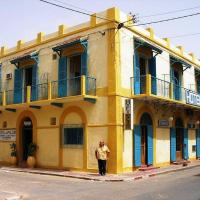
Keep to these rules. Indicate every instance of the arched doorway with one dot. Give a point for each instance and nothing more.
(179, 138)
(146, 135)
(26, 137)
(143, 141)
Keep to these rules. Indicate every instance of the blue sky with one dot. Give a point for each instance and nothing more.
(23, 19)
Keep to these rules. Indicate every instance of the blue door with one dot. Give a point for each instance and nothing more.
(172, 144)
(18, 86)
(185, 144)
(198, 86)
(152, 71)
(62, 77)
(198, 143)
(149, 145)
(34, 89)
(137, 145)
(84, 67)
(136, 65)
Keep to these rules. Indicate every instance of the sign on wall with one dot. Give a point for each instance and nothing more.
(192, 98)
(8, 135)
(128, 114)
(163, 123)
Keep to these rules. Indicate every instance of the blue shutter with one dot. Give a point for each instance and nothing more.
(84, 67)
(198, 86)
(172, 144)
(84, 63)
(137, 145)
(185, 144)
(136, 73)
(150, 145)
(198, 143)
(62, 77)
(0, 78)
(34, 90)
(172, 80)
(18, 84)
(152, 71)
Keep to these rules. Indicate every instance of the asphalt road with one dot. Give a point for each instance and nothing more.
(182, 185)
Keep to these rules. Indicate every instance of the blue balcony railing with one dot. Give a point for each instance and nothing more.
(39, 92)
(150, 85)
(75, 86)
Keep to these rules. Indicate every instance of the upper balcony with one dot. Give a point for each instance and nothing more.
(55, 93)
(154, 89)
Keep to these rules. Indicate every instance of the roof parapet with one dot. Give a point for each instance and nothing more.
(40, 37)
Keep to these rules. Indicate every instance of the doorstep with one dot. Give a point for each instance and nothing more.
(128, 176)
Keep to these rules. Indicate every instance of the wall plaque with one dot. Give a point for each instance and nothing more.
(8, 135)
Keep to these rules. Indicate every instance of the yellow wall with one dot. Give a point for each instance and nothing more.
(73, 158)
(191, 142)
(95, 134)
(128, 149)
(48, 151)
(162, 145)
(5, 151)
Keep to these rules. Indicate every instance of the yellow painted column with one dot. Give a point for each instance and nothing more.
(49, 91)
(115, 124)
(83, 85)
(28, 94)
(148, 84)
(4, 98)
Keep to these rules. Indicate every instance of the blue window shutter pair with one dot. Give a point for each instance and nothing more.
(198, 86)
(172, 144)
(34, 90)
(62, 77)
(0, 77)
(150, 145)
(198, 143)
(152, 71)
(137, 145)
(18, 85)
(84, 64)
(136, 68)
(185, 144)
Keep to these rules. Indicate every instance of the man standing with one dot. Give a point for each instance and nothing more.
(102, 154)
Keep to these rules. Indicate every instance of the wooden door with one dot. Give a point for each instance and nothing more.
(143, 145)
(179, 144)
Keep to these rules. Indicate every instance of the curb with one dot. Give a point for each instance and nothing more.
(105, 180)
(172, 171)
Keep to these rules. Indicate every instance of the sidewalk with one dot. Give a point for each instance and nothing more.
(136, 175)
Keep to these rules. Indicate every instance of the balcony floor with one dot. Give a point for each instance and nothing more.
(165, 101)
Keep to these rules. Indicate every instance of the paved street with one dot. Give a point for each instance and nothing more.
(183, 185)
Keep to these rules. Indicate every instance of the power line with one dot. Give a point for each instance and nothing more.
(184, 35)
(68, 4)
(165, 20)
(74, 10)
(170, 12)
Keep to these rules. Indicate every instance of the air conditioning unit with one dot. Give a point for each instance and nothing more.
(8, 76)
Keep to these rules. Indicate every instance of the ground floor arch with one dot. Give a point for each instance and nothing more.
(143, 141)
(73, 133)
(25, 134)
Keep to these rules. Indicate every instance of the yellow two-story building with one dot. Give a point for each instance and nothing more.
(105, 79)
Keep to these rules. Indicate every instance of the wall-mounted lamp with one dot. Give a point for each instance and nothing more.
(198, 122)
(171, 119)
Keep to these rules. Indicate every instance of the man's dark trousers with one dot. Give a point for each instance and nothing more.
(102, 166)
